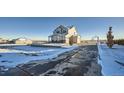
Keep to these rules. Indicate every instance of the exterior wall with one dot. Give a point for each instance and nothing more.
(75, 39)
(78, 39)
(67, 40)
(72, 31)
(2, 41)
(23, 42)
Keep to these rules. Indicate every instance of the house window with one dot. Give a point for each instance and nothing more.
(57, 32)
(64, 31)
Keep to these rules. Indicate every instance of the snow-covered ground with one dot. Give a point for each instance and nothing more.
(111, 60)
(53, 44)
(10, 57)
(12, 44)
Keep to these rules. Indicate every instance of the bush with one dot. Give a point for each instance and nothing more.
(119, 41)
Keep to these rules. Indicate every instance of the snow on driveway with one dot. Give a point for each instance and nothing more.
(111, 60)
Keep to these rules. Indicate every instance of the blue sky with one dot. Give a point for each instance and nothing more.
(41, 27)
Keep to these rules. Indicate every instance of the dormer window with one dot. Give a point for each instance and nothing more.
(64, 31)
(57, 32)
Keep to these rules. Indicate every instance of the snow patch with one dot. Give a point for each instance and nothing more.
(13, 56)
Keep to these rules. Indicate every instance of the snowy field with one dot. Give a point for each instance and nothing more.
(12, 56)
(111, 60)
(51, 44)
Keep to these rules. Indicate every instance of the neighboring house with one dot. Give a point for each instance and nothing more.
(22, 41)
(3, 41)
(66, 35)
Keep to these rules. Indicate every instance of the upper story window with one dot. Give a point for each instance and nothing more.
(57, 32)
(60, 30)
(64, 31)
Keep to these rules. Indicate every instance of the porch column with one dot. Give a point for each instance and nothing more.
(49, 38)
